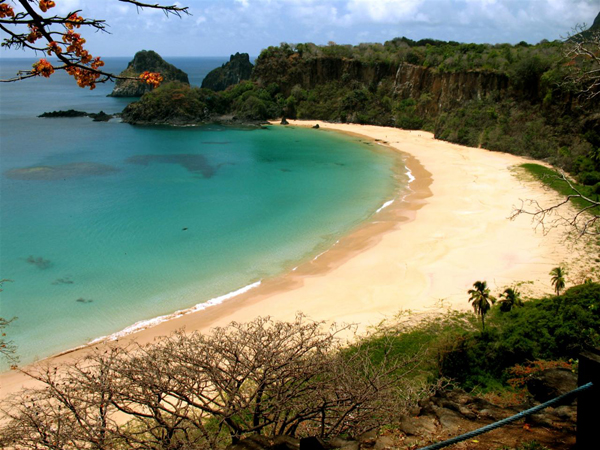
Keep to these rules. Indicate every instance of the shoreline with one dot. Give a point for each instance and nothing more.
(426, 261)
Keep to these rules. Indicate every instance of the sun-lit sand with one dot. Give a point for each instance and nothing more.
(422, 254)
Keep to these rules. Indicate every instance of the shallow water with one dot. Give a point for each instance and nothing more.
(106, 224)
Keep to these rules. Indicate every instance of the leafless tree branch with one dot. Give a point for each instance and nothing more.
(584, 220)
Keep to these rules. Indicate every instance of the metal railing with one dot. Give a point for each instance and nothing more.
(501, 423)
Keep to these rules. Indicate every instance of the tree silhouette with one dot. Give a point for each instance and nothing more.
(583, 61)
(481, 299)
(558, 279)
(509, 299)
(195, 391)
(30, 25)
(584, 221)
(7, 347)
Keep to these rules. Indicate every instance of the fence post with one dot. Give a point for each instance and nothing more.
(588, 403)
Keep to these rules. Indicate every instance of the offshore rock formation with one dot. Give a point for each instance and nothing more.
(239, 68)
(146, 60)
(170, 104)
(71, 113)
(182, 105)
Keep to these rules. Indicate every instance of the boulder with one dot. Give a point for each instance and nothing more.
(239, 68)
(343, 444)
(385, 443)
(312, 443)
(368, 439)
(146, 61)
(551, 383)
(285, 443)
(418, 426)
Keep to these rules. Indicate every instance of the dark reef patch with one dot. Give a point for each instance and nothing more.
(84, 300)
(196, 164)
(39, 262)
(61, 172)
(64, 280)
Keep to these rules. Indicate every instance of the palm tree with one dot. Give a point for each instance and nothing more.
(481, 299)
(558, 278)
(510, 298)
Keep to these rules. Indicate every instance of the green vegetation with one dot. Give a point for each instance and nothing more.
(509, 299)
(179, 104)
(558, 279)
(553, 179)
(481, 299)
(444, 56)
(551, 328)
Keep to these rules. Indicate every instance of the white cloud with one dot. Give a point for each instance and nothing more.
(221, 27)
(382, 11)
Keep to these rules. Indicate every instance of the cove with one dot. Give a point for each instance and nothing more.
(121, 224)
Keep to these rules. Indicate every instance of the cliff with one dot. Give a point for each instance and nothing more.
(589, 33)
(146, 60)
(239, 68)
(446, 90)
(404, 80)
(292, 71)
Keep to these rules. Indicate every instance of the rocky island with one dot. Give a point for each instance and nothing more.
(146, 61)
(239, 68)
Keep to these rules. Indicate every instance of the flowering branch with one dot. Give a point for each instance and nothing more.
(28, 28)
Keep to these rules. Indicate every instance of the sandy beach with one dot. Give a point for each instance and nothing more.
(421, 254)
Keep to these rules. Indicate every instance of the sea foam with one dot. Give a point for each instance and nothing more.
(144, 324)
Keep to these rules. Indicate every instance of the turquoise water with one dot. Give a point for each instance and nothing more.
(122, 224)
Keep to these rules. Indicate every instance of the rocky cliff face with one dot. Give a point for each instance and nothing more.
(239, 68)
(407, 81)
(446, 90)
(311, 73)
(146, 60)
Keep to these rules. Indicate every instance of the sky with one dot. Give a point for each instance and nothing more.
(223, 27)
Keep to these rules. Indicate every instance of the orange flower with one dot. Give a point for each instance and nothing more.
(45, 5)
(74, 21)
(6, 11)
(84, 77)
(97, 63)
(53, 47)
(43, 68)
(34, 34)
(152, 78)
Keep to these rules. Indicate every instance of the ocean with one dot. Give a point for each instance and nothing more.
(107, 225)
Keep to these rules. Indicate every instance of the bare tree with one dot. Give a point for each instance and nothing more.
(30, 25)
(8, 349)
(202, 391)
(583, 220)
(582, 52)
